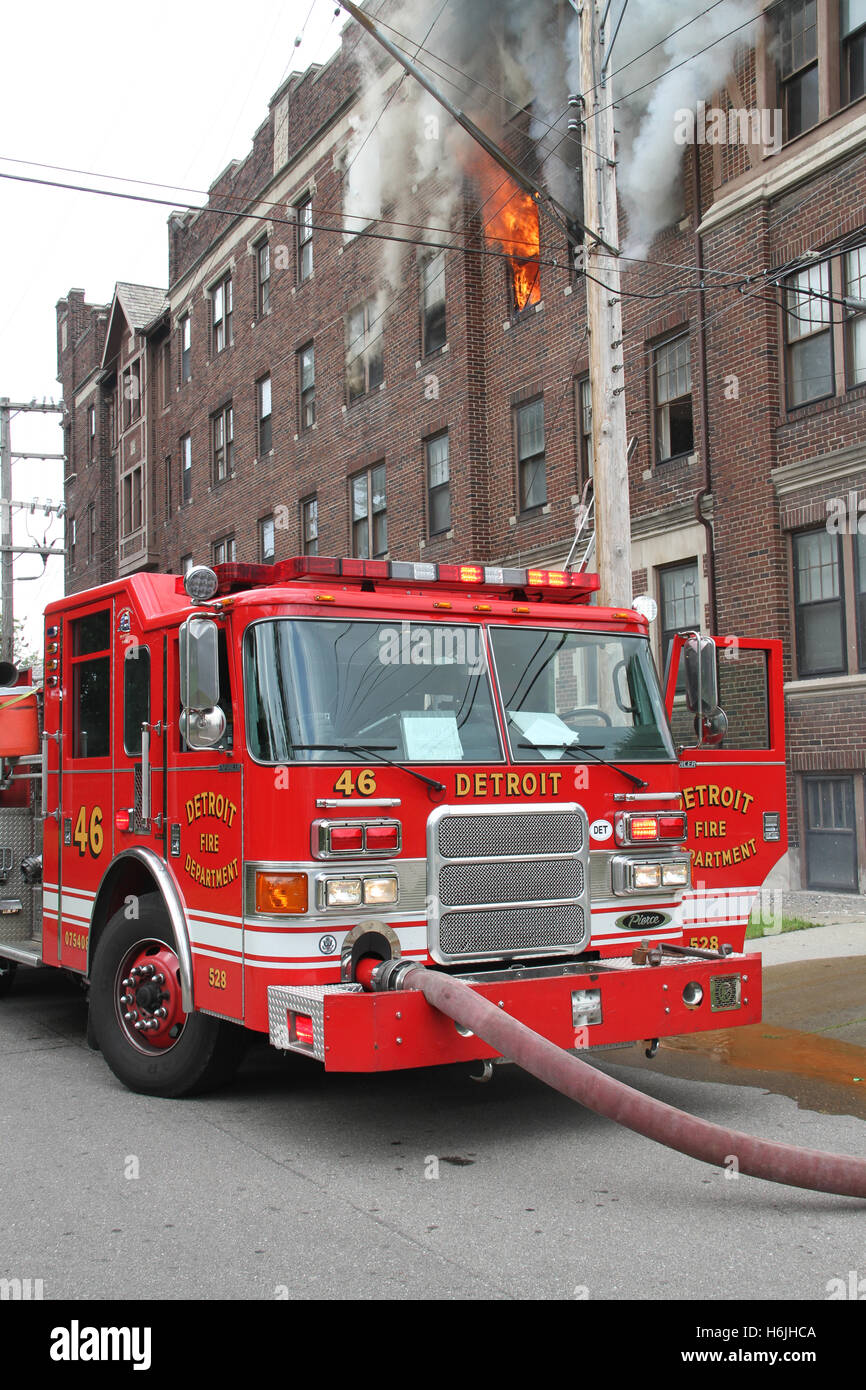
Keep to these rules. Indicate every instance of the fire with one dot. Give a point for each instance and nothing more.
(514, 227)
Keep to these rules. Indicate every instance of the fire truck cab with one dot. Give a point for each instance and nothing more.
(254, 778)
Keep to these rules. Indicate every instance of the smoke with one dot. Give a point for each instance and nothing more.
(513, 65)
(507, 57)
(649, 160)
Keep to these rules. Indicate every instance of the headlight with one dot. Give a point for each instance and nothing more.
(357, 892)
(342, 892)
(380, 890)
(646, 875)
(630, 876)
(675, 875)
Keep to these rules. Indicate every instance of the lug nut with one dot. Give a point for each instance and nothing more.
(160, 1013)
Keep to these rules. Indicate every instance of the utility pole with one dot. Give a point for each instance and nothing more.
(7, 637)
(8, 549)
(604, 311)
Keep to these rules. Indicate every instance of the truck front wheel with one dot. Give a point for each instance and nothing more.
(137, 1014)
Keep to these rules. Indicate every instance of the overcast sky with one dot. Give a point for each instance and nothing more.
(170, 92)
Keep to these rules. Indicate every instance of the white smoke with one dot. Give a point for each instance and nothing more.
(649, 159)
(510, 56)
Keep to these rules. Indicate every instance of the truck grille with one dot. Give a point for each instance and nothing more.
(506, 884)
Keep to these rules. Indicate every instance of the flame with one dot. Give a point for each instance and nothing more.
(514, 227)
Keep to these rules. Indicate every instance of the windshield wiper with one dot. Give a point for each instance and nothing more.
(586, 748)
(376, 750)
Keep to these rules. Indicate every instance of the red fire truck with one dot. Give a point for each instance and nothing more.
(256, 778)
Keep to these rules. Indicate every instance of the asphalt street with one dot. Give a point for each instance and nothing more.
(420, 1185)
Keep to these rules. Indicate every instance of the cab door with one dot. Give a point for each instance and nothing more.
(139, 735)
(733, 783)
(87, 802)
(205, 812)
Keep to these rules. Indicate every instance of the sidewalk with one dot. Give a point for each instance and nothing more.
(841, 930)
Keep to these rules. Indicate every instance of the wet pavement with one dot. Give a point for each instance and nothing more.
(811, 1043)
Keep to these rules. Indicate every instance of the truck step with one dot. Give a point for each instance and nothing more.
(24, 952)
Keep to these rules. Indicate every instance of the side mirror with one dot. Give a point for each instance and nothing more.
(202, 723)
(699, 661)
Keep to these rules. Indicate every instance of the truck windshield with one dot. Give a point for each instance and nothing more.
(418, 692)
(566, 690)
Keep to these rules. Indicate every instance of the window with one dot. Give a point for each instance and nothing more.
(263, 279)
(224, 551)
(679, 608)
(91, 532)
(112, 419)
(91, 433)
(185, 348)
(809, 351)
(186, 563)
(531, 467)
(860, 595)
(438, 485)
(855, 288)
(304, 213)
(221, 315)
(797, 50)
(168, 489)
(818, 605)
(132, 393)
(307, 387)
(266, 540)
(672, 378)
(369, 515)
(73, 529)
(852, 24)
(91, 685)
(364, 369)
(186, 468)
(584, 426)
(433, 335)
(263, 397)
(223, 432)
(136, 697)
(131, 517)
(310, 525)
(166, 374)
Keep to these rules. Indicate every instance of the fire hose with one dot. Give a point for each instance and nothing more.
(709, 1143)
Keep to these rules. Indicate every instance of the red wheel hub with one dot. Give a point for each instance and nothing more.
(148, 996)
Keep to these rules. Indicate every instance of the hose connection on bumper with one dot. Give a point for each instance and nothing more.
(709, 1143)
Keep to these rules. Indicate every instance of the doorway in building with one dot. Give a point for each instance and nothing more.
(831, 839)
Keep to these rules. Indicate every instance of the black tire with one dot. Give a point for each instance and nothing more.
(8, 971)
(184, 1054)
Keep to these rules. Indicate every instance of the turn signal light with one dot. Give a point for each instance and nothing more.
(640, 828)
(302, 1029)
(345, 839)
(280, 893)
(381, 837)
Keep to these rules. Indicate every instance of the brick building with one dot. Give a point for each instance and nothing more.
(276, 399)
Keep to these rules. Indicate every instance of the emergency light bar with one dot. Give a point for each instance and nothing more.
(562, 585)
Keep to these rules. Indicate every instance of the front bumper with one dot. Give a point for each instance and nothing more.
(580, 1007)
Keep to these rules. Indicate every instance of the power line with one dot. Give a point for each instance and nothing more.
(282, 221)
